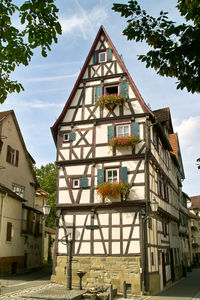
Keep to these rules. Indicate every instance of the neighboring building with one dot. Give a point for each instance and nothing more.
(20, 222)
(49, 243)
(194, 214)
(116, 239)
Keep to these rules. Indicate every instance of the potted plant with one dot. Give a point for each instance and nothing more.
(124, 141)
(114, 190)
(109, 100)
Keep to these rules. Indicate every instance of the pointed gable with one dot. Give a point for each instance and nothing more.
(101, 51)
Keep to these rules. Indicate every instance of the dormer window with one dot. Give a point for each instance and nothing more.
(102, 57)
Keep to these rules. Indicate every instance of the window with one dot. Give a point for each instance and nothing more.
(75, 183)
(19, 190)
(164, 225)
(112, 175)
(9, 232)
(69, 136)
(155, 139)
(66, 137)
(113, 89)
(152, 259)
(102, 56)
(123, 130)
(12, 156)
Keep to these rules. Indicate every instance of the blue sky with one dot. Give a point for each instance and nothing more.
(49, 81)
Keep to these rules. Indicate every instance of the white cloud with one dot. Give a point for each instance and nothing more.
(50, 78)
(84, 22)
(188, 131)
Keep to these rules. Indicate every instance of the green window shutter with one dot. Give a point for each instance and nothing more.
(84, 182)
(98, 92)
(100, 176)
(123, 174)
(124, 88)
(109, 54)
(17, 158)
(135, 129)
(72, 136)
(111, 132)
(154, 136)
(95, 57)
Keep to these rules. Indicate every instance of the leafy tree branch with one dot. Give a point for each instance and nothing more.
(175, 48)
(39, 28)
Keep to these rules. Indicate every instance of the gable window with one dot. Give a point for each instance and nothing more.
(112, 175)
(113, 89)
(76, 183)
(69, 136)
(123, 130)
(66, 137)
(9, 232)
(19, 190)
(102, 56)
(12, 156)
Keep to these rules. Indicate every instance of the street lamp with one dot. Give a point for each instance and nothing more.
(46, 209)
(154, 205)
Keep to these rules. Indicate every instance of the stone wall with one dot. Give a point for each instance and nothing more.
(102, 271)
(11, 264)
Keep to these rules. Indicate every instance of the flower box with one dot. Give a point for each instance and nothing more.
(124, 141)
(109, 100)
(114, 190)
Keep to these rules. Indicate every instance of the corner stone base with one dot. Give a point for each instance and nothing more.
(102, 271)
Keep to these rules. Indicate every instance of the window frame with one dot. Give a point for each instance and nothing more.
(66, 140)
(75, 186)
(111, 85)
(112, 169)
(99, 54)
(123, 125)
(12, 156)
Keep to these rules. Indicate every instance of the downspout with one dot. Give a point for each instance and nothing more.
(1, 211)
(145, 218)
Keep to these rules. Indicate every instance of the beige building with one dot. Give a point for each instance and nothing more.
(20, 221)
(116, 157)
(194, 224)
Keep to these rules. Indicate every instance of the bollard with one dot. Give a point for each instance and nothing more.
(124, 290)
(111, 292)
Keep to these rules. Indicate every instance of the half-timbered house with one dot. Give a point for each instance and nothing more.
(114, 159)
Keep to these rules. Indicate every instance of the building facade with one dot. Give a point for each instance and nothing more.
(115, 157)
(20, 221)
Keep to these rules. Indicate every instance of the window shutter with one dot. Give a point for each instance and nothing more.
(124, 88)
(109, 54)
(95, 56)
(1, 145)
(135, 129)
(72, 136)
(123, 174)
(84, 182)
(154, 136)
(149, 223)
(8, 157)
(100, 176)
(9, 232)
(158, 187)
(98, 92)
(17, 158)
(111, 132)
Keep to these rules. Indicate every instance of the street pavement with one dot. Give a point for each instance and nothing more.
(186, 289)
(37, 283)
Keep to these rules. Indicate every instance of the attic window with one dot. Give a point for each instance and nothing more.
(66, 137)
(111, 89)
(102, 56)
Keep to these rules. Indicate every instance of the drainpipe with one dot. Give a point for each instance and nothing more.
(144, 219)
(1, 211)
